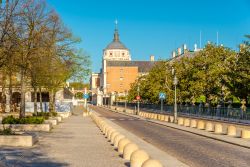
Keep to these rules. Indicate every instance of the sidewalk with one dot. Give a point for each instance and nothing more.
(76, 142)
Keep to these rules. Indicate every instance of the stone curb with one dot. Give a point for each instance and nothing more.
(137, 157)
(216, 134)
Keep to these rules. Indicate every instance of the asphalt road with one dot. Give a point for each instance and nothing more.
(193, 150)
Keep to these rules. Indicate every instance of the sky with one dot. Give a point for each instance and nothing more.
(154, 27)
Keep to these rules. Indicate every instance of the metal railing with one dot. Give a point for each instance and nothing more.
(220, 113)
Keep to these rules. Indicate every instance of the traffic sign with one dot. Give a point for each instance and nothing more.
(162, 96)
(85, 96)
(138, 97)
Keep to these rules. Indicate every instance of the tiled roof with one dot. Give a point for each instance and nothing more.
(143, 66)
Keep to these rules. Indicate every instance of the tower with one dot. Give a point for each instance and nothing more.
(115, 51)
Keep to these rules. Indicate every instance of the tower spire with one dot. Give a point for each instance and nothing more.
(116, 34)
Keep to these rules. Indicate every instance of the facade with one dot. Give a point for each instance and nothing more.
(10, 96)
(118, 72)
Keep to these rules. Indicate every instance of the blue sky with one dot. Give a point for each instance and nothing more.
(155, 27)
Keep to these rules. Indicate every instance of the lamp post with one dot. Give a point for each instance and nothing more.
(116, 94)
(138, 100)
(125, 100)
(175, 101)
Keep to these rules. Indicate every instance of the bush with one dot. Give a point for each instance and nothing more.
(7, 131)
(10, 120)
(46, 115)
(26, 120)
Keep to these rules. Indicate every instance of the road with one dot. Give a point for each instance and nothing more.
(193, 150)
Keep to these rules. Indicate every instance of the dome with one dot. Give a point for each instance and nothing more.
(116, 43)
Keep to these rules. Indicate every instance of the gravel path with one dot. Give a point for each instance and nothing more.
(76, 142)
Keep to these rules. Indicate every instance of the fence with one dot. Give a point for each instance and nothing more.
(219, 112)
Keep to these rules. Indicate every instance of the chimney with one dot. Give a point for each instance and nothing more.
(195, 48)
(152, 58)
(185, 48)
(173, 54)
(179, 51)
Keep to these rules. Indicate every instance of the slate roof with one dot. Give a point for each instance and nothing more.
(143, 66)
(116, 45)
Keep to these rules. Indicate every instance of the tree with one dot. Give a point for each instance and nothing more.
(237, 78)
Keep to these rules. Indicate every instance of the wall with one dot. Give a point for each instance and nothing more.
(120, 78)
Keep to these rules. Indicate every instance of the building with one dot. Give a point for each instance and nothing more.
(10, 95)
(117, 73)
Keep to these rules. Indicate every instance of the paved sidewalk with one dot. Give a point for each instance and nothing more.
(76, 142)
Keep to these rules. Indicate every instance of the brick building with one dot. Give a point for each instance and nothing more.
(117, 73)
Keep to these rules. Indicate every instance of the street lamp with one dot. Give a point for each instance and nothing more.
(138, 100)
(116, 98)
(126, 100)
(175, 101)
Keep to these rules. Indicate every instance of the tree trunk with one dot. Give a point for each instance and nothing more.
(22, 106)
(35, 100)
(3, 99)
(40, 99)
(54, 102)
(10, 92)
(51, 94)
(3, 94)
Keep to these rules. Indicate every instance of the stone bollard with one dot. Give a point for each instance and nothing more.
(245, 134)
(180, 121)
(151, 116)
(112, 137)
(201, 125)
(186, 122)
(218, 129)
(152, 163)
(104, 128)
(155, 116)
(122, 143)
(117, 139)
(110, 132)
(166, 118)
(128, 150)
(209, 127)
(159, 117)
(171, 119)
(193, 123)
(107, 130)
(231, 130)
(138, 158)
(162, 117)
